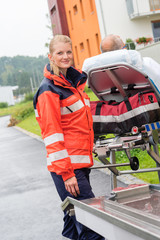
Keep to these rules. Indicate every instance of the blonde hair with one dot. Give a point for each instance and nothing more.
(54, 40)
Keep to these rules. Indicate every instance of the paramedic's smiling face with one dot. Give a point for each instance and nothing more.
(62, 56)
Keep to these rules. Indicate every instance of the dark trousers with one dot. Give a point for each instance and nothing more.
(73, 229)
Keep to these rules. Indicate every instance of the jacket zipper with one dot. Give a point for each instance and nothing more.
(87, 119)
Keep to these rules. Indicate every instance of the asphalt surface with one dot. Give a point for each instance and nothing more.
(30, 208)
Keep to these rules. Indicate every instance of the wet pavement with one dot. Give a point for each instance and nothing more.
(30, 208)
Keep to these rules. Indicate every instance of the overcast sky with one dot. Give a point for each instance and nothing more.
(23, 27)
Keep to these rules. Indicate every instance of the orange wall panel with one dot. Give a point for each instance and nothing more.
(83, 28)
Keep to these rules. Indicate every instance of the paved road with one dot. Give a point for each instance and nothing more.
(29, 203)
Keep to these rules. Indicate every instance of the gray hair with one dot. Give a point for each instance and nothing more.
(113, 43)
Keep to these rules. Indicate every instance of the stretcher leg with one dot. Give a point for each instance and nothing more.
(113, 168)
(113, 176)
(155, 148)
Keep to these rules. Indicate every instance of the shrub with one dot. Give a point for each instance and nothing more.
(3, 104)
(130, 44)
(144, 40)
(23, 113)
(29, 97)
(20, 114)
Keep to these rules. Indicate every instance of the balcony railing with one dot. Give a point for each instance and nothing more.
(154, 5)
(142, 8)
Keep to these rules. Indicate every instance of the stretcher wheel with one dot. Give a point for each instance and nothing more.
(134, 163)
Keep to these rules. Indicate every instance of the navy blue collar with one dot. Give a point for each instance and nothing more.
(73, 76)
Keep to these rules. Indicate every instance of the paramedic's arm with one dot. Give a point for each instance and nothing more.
(48, 107)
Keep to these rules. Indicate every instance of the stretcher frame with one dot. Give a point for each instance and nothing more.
(114, 82)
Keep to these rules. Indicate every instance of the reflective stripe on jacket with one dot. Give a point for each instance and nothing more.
(63, 112)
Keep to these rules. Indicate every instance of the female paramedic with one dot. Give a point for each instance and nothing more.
(63, 113)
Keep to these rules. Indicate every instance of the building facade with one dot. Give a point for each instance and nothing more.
(83, 28)
(6, 95)
(129, 18)
(89, 21)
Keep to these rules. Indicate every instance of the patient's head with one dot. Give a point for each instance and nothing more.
(111, 43)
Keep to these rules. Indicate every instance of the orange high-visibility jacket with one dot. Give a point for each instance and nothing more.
(63, 112)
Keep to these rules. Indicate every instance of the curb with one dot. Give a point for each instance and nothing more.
(126, 179)
(29, 133)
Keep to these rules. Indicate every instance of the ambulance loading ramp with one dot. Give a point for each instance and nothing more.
(132, 213)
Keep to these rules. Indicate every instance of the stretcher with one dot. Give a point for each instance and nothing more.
(125, 80)
(132, 213)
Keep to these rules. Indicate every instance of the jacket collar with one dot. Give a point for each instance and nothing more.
(73, 78)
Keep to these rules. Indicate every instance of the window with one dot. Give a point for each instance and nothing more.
(98, 43)
(88, 47)
(156, 30)
(77, 58)
(91, 5)
(75, 9)
(156, 24)
(70, 18)
(81, 47)
(82, 10)
(53, 10)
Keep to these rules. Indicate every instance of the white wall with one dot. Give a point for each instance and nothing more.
(113, 19)
(6, 95)
(151, 51)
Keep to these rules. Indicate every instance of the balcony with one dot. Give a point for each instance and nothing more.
(143, 8)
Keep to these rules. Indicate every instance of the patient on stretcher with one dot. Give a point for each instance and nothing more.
(128, 89)
(114, 51)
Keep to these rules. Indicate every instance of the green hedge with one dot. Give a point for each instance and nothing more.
(23, 112)
(3, 104)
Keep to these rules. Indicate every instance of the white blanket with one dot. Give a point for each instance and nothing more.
(132, 57)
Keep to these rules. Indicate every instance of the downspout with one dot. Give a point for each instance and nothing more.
(102, 16)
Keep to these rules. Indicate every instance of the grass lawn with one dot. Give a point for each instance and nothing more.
(30, 124)
(145, 161)
(14, 109)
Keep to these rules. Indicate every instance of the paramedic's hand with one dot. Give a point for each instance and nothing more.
(71, 186)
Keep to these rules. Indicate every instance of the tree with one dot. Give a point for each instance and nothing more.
(18, 71)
